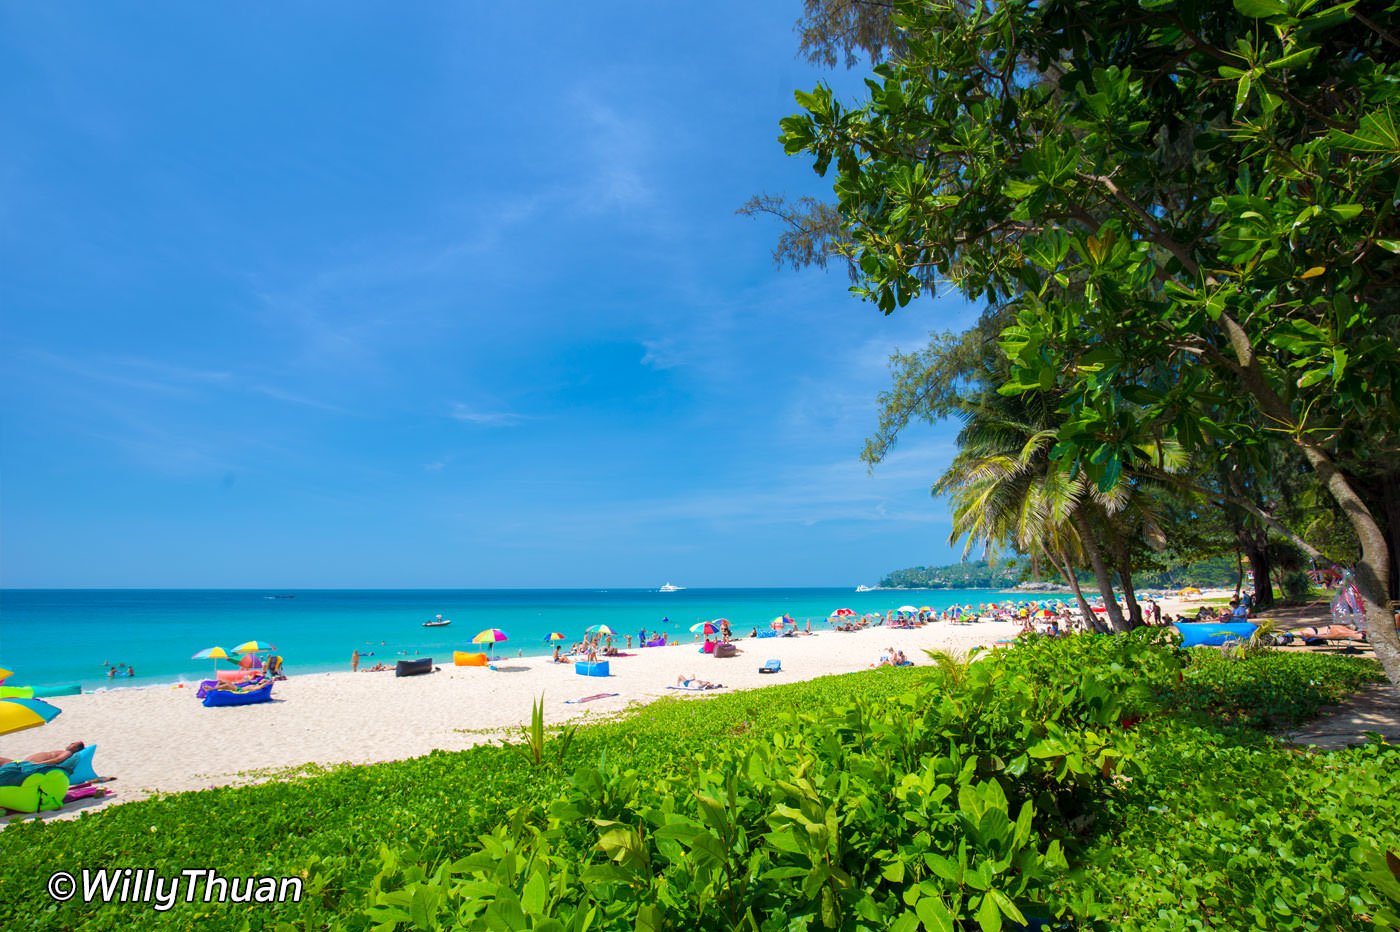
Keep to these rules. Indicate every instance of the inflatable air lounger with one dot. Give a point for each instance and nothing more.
(414, 667)
(1198, 633)
(225, 697)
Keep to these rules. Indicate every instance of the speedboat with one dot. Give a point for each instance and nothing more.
(865, 588)
(670, 588)
(438, 622)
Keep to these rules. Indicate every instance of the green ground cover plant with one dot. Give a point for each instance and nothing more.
(1088, 782)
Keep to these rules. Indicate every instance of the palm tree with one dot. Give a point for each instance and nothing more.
(1006, 490)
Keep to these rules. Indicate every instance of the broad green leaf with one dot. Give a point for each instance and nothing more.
(1260, 9)
(934, 913)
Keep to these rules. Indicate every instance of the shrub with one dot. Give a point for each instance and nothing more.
(1098, 782)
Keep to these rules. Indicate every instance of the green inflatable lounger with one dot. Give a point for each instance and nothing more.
(39, 692)
(30, 787)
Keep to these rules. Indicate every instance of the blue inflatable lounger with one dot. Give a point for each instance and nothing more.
(596, 668)
(240, 694)
(1199, 633)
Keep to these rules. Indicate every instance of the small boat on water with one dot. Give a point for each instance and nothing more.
(671, 588)
(438, 622)
(865, 588)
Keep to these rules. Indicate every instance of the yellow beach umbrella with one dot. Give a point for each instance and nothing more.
(19, 714)
(212, 653)
(5, 674)
(254, 647)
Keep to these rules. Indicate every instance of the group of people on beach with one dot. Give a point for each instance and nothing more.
(893, 658)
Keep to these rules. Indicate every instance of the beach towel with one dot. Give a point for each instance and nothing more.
(591, 698)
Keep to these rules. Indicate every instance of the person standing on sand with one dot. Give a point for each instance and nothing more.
(355, 661)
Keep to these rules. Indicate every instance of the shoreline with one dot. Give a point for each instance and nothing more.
(156, 739)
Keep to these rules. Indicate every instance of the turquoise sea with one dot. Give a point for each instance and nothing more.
(57, 637)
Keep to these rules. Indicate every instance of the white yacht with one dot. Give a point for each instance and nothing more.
(865, 588)
(670, 588)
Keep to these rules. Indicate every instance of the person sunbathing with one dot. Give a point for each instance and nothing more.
(49, 757)
(691, 681)
(1330, 632)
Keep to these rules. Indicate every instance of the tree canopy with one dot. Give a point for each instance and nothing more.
(1180, 214)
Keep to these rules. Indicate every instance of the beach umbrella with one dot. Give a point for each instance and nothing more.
(555, 636)
(777, 623)
(212, 653)
(909, 610)
(19, 714)
(705, 627)
(1045, 613)
(490, 637)
(5, 674)
(926, 608)
(254, 647)
(842, 613)
(598, 629)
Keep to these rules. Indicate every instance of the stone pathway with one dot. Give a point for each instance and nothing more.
(1376, 708)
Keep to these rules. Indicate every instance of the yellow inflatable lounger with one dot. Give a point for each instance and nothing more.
(465, 659)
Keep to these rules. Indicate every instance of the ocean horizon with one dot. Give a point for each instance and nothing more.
(60, 637)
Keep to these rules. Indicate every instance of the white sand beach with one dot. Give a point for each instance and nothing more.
(161, 739)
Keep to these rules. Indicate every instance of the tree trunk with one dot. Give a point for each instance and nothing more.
(1125, 575)
(1239, 572)
(1373, 570)
(1258, 555)
(1124, 564)
(1101, 575)
(1390, 508)
(1086, 612)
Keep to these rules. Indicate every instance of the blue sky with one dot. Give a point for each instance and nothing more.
(441, 295)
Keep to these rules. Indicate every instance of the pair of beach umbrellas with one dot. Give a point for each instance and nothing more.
(842, 613)
(17, 714)
(247, 647)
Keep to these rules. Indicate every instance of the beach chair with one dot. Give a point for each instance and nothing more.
(772, 666)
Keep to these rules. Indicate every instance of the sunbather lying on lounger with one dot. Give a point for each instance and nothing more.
(49, 757)
(1330, 632)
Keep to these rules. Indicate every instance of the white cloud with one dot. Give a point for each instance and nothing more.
(461, 412)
